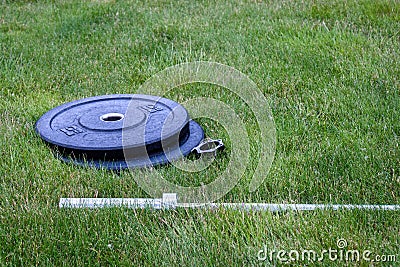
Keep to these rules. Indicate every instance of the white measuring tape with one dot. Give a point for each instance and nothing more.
(170, 201)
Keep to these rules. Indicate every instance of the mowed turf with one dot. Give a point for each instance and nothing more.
(330, 70)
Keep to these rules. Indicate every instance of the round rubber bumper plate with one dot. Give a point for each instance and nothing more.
(120, 131)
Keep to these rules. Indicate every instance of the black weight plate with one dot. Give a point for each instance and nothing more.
(92, 129)
(157, 158)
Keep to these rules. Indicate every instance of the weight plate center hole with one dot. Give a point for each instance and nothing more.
(109, 117)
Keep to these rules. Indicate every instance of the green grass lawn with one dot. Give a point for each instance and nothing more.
(330, 70)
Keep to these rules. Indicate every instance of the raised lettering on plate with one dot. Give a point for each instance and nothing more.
(150, 108)
(71, 130)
